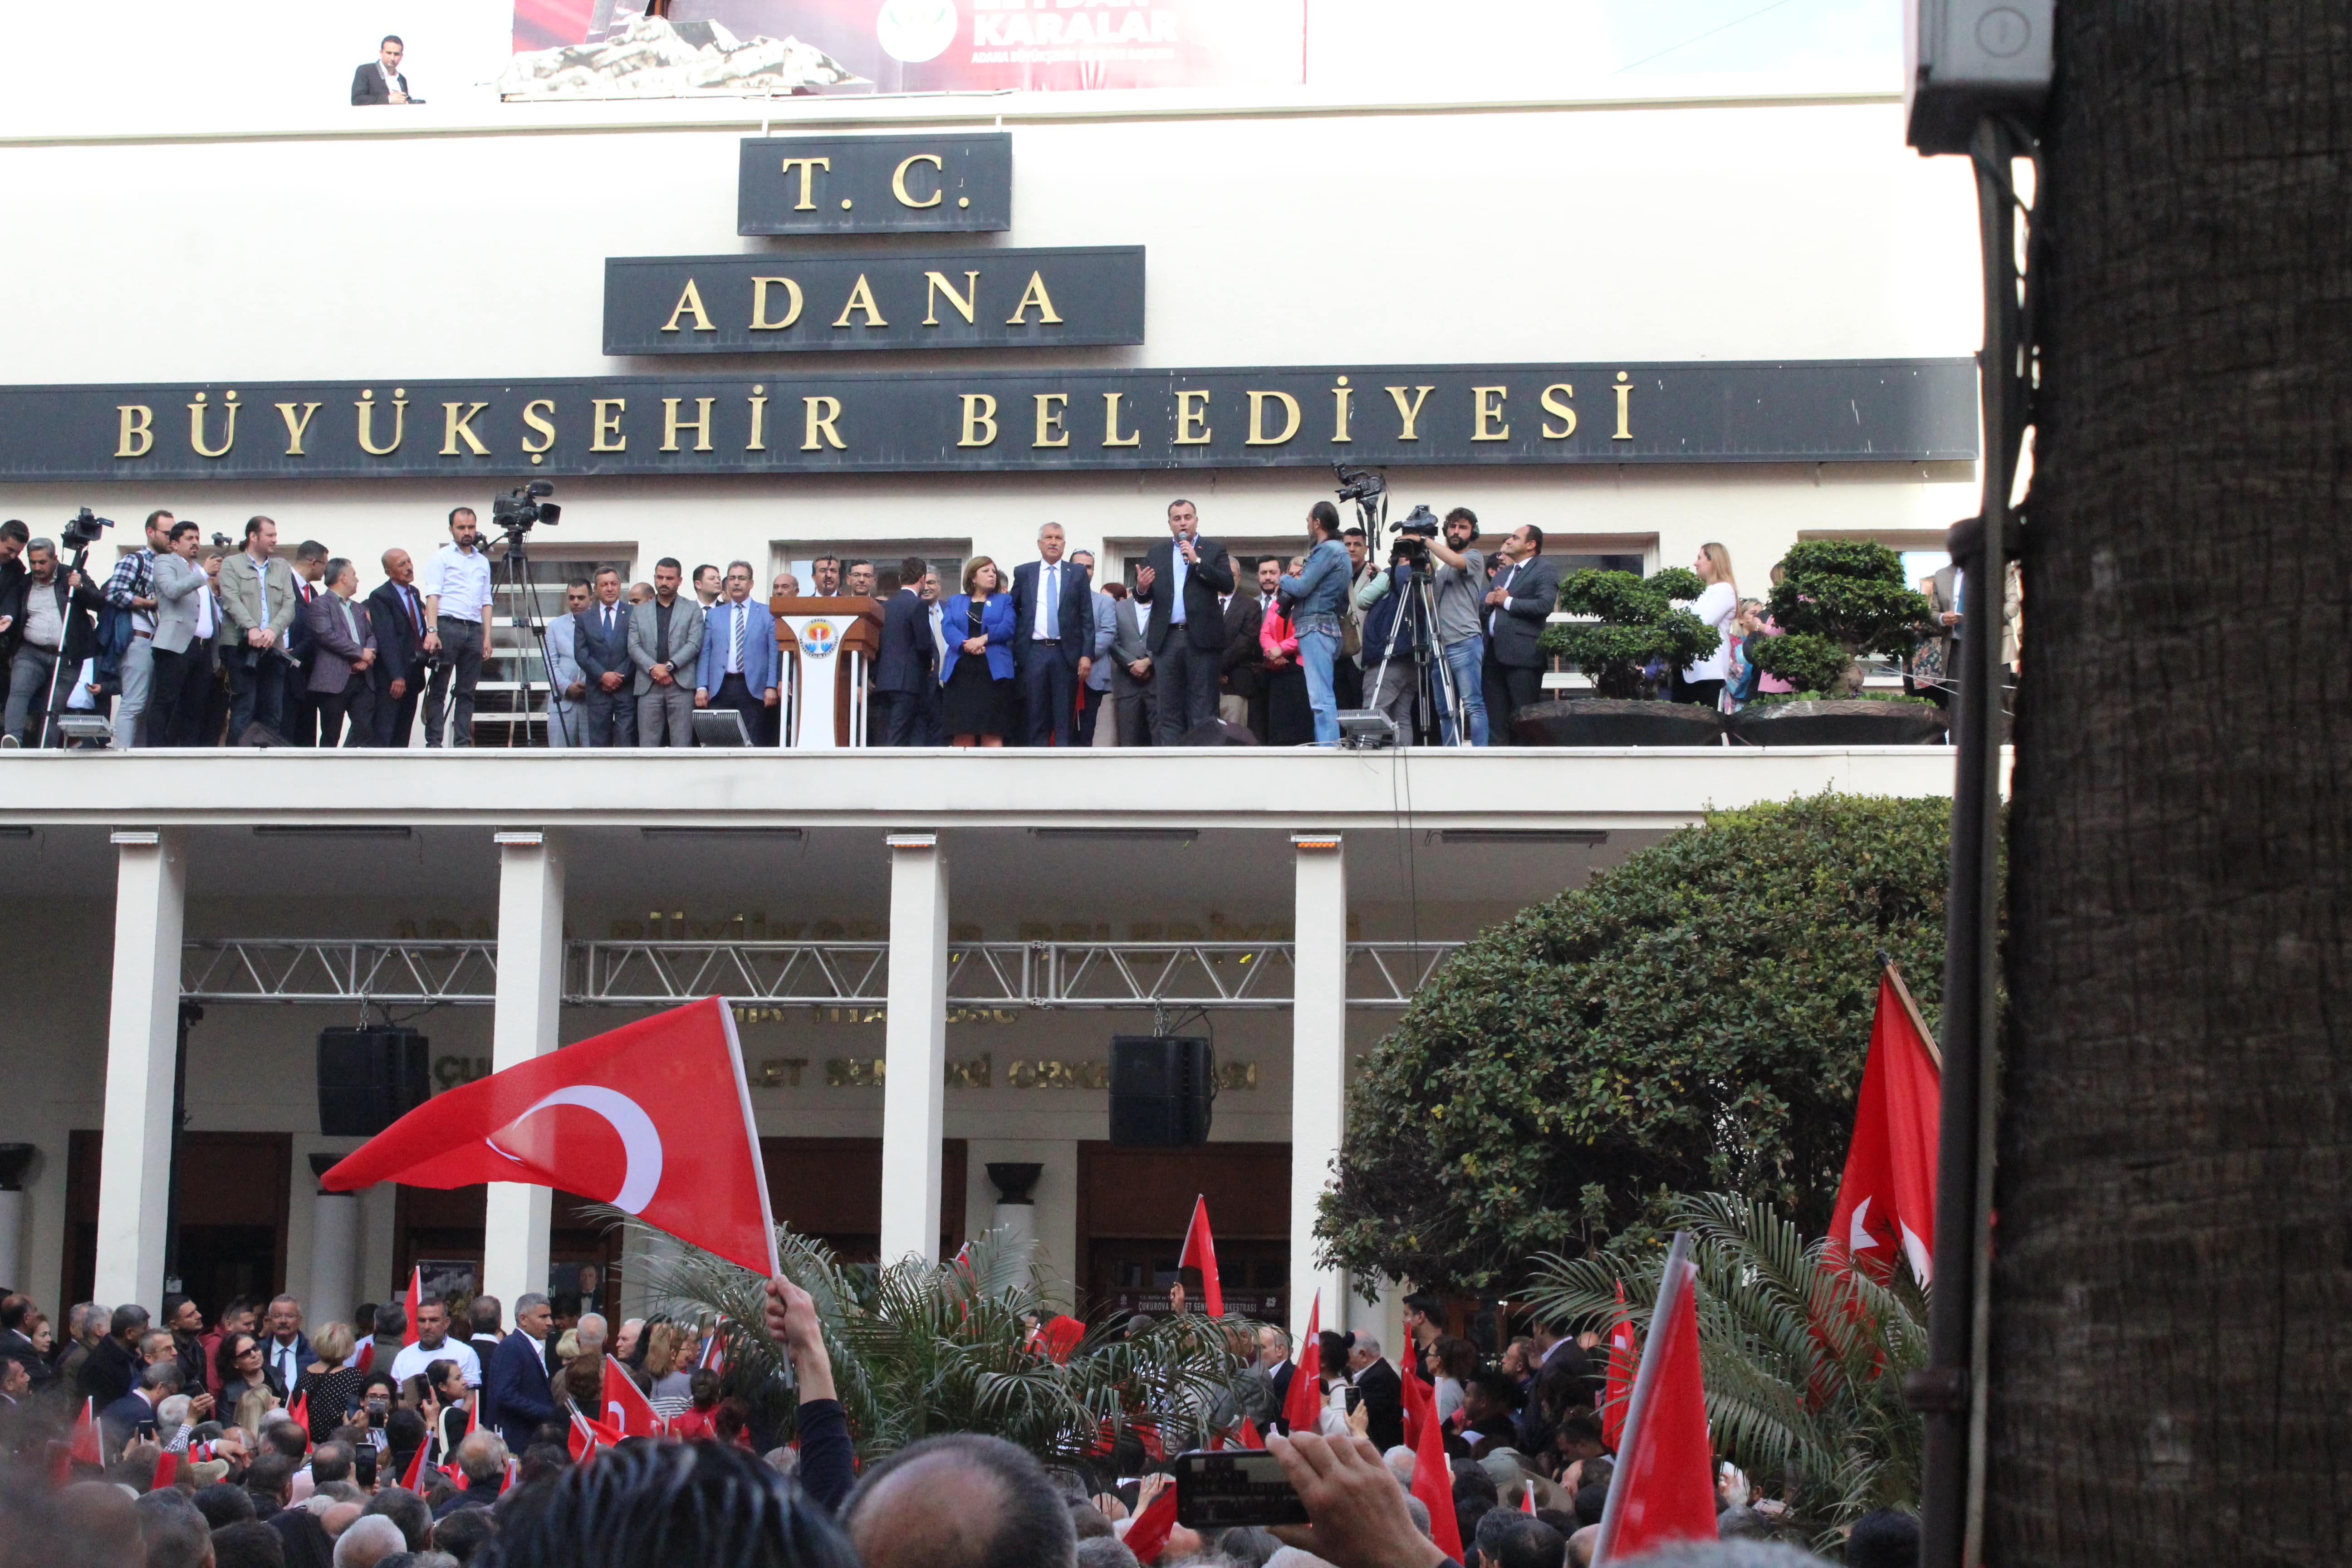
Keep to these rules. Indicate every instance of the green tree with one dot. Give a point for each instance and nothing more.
(1693, 1020)
(1837, 600)
(1638, 622)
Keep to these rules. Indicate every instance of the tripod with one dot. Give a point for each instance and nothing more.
(1433, 689)
(513, 574)
(62, 673)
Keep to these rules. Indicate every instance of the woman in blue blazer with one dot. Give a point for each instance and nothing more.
(978, 703)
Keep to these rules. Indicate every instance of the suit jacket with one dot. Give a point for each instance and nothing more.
(1127, 644)
(685, 641)
(179, 589)
(759, 657)
(599, 655)
(562, 658)
(1943, 594)
(1106, 611)
(367, 85)
(399, 641)
(1535, 594)
(1383, 1393)
(1074, 618)
(1245, 661)
(908, 661)
(516, 1380)
(128, 1417)
(245, 602)
(298, 643)
(108, 1372)
(12, 578)
(340, 631)
(1205, 618)
(996, 621)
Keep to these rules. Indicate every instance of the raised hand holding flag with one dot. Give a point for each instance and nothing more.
(409, 1304)
(1663, 1487)
(87, 1447)
(626, 1409)
(654, 1117)
(1623, 1355)
(1886, 1198)
(1200, 1253)
(1302, 1403)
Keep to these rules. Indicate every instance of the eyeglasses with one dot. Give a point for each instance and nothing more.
(248, 1351)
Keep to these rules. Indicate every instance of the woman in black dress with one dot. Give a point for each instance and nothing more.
(329, 1388)
(977, 706)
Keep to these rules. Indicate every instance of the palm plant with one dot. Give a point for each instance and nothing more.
(1803, 1361)
(920, 1348)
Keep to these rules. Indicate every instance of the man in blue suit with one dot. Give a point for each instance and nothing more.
(909, 663)
(739, 668)
(1053, 639)
(600, 643)
(515, 1384)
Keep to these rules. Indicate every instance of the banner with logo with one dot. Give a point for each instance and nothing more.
(607, 48)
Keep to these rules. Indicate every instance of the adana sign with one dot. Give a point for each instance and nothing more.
(1026, 420)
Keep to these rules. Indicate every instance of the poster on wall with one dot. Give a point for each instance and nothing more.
(610, 48)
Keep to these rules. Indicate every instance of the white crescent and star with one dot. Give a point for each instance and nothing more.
(641, 1144)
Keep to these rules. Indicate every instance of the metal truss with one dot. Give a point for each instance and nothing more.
(1045, 974)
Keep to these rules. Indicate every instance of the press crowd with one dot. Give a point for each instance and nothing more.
(190, 643)
(261, 1439)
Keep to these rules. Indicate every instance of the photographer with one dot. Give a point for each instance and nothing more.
(55, 605)
(1315, 598)
(1461, 581)
(1390, 655)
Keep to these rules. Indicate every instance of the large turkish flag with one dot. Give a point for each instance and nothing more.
(1663, 1487)
(654, 1118)
(1886, 1199)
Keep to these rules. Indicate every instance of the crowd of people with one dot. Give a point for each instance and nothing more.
(260, 1439)
(190, 642)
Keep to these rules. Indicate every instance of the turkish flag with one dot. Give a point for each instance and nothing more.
(409, 1304)
(1625, 1354)
(626, 1409)
(1147, 1536)
(654, 1118)
(587, 1436)
(1886, 1200)
(299, 1413)
(1061, 1335)
(86, 1448)
(1432, 1478)
(415, 1467)
(1249, 1438)
(167, 1471)
(1302, 1403)
(1200, 1253)
(1664, 1487)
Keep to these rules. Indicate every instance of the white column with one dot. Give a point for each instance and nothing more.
(1318, 1065)
(142, 1041)
(335, 1251)
(530, 996)
(915, 1042)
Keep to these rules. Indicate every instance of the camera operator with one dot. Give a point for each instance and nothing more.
(56, 609)
(1348, 669)
(1316, 596)
(456, 587)
(1461, 582)
(1390, 652)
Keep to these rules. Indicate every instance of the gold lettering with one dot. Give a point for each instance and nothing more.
(759, 441)
(606, 420)
(1411, 413)
(808, 168)
(1484, 413)
(196, 426)
(367, 407)
(1188, 417)
(138, 427)
(1556, 406)
(1257, 436)
(759, 287)
(699, 423)
(1111, 437)
(689, 301)
(861, 298)
(822, 413)
(294, 426)
(979, 411)
(1341, 395)
(1049, 419)
(898, 180)
(455, 425)
(934, 283)
(1034, 295)
(1624, 412)
(537, 415)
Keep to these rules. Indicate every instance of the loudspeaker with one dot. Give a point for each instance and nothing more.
(369, 1078)
(1161, 1090)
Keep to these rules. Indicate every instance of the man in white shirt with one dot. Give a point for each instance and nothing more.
(738, 668)
(434, 1343)
(284, 1348)
(456, 587)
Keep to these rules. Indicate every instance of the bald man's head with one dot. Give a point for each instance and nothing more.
(960, 1502)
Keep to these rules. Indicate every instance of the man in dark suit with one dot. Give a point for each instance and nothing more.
(1053, 639)
(114, 1364)
(301, 704)
(1181, 581)
(379, 81)
(1383, 1389)
(1243, 667)
(343, 656)
(600, 642)
(908, 662)
(132, 1417)
(516, 1379)
(396, 612)
(1522, 591)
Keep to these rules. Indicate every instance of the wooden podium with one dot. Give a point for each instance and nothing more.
(825, 645)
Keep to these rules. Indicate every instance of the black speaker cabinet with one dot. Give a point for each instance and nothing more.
(1161, 1091)
(369, 1078)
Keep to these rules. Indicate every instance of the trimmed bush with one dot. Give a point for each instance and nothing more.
(1837, 600)
(1638, 623)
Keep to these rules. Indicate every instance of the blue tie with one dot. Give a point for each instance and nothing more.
(1053, 602)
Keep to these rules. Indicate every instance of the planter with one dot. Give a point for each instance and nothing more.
(1611, 721)
(1853, 721)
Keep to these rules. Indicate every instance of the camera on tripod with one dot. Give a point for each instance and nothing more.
(1412, 537)
(1359, 484)
(521, 508)
(81, 530)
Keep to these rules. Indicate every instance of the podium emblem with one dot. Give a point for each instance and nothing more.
(818, 639)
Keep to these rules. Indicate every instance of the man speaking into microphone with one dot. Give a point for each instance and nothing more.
(1181, 581)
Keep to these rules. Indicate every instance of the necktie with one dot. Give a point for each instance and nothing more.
(608, 622)
(1052, 600)
(415, 613)
(735, 658)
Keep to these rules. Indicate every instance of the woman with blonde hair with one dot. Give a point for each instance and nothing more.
(1718, 605)
(329, 1385)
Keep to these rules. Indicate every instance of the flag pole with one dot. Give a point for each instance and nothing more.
(1676, 1278)
(750, 1133)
